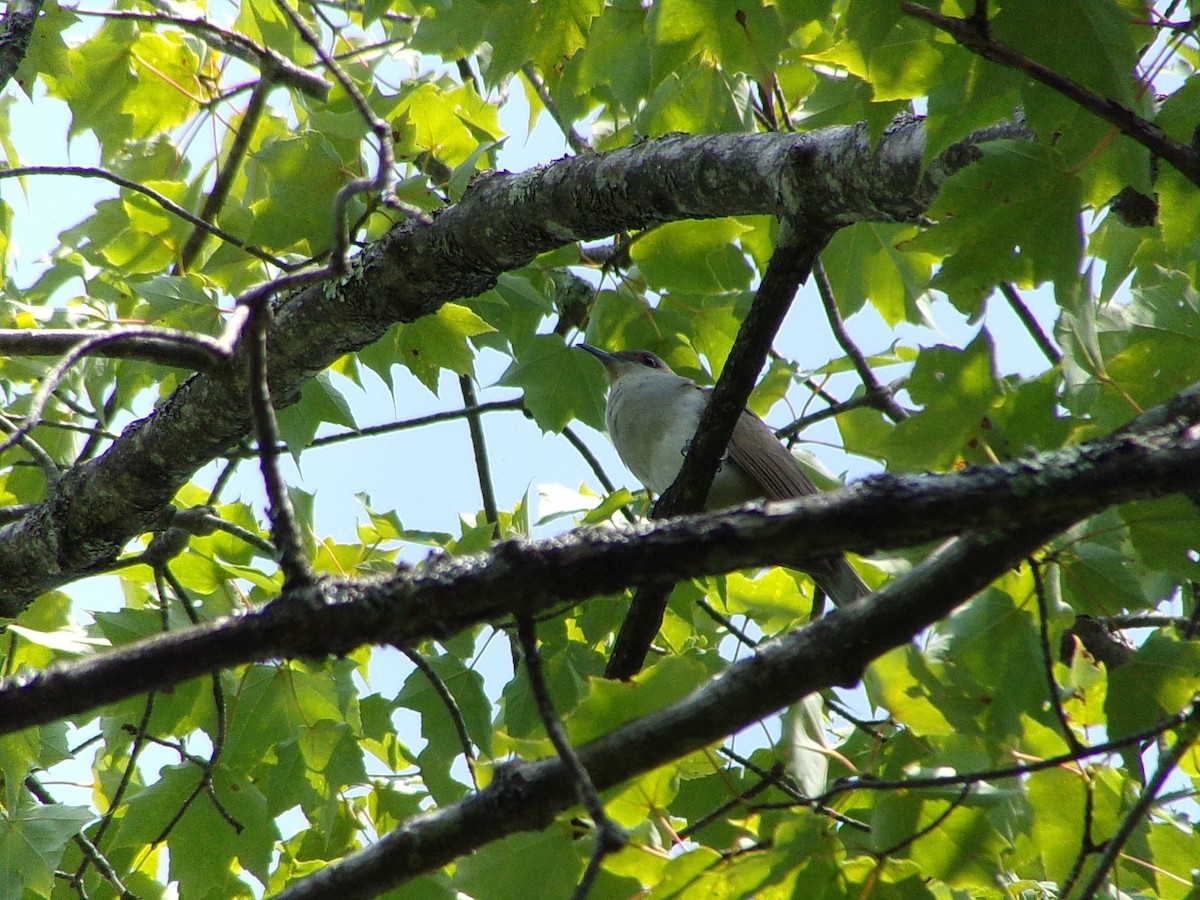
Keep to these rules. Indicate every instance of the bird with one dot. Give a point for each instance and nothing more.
(652, 414)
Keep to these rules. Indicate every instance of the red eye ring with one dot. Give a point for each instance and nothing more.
(648, 360)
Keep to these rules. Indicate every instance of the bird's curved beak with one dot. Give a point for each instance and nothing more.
(603, 355)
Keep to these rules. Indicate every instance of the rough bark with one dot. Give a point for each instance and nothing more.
(831, 177)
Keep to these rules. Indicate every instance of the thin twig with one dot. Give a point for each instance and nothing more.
(285, 532)
(609, 836)
(274, 66)
(577, 142)
(928, 829)
(1031, 323)
(866, 783)
(385, 174)
(44, 461)
(228, 172)
(1087, 845)
(1143, 620)
(867, 399)
(884, 399)
(431, 419)
(1052, 692)
(729, 805)
(594, 464)
(483, 469)
(102, 416)
(727, 623)
(165, 202)
(85, 344)
(468, 75)
(443, 691)
(975, 36)
(91, 854)
(1168, 760)
(513, 405)
(797, 798)
(135, 751)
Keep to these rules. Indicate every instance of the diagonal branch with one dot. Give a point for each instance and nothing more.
(274, 66)
(165, 202)
(973, 34)
(832, 651)
(227, 172)
(789, 266)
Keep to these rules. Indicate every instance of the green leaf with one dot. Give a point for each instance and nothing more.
(448, 124)
(559, 382)
(1012, 216)
(125, 83)
(700, 256)
(612, 703)
(957, 389)
(32, 841)
(742, 37)
(876, 262)
(692, 98)
(1102, 54)
(890, 51)
(437, 342)
(1158, 681)
(772, 599)
(319, 402)
(298, 177)
(204, 844)
(534, 864)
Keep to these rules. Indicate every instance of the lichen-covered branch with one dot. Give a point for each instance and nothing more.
(831, 176)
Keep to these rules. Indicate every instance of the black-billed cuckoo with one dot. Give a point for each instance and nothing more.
(652, 415)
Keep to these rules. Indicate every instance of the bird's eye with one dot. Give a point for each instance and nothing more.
(648, 360)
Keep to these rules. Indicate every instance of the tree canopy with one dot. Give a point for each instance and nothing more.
(308, 201)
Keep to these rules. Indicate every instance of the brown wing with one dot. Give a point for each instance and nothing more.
(759, 454)
(756, 450)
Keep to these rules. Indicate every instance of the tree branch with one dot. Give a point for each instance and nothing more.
(974, 35)
(886, 403)
(831, 651)
(14, 40)
(502, 223)
(789, 266)
(165, 346)
(165, 202)
(227, 172)
(278, 69)
(1158, 455)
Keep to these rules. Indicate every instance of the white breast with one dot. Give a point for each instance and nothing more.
(649, 439)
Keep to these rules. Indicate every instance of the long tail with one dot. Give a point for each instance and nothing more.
(839, 580)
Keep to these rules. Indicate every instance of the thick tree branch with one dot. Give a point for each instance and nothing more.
(831, 651)
(1158, 455)
(14, 38)
(503, 222)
